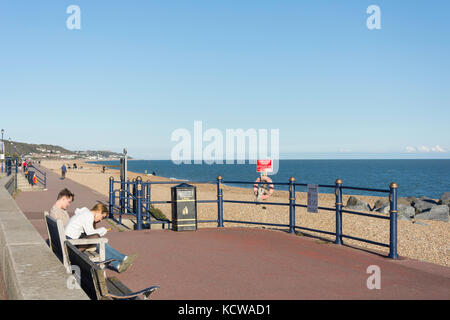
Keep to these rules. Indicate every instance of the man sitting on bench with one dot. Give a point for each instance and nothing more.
(82, 225)
(59, 209)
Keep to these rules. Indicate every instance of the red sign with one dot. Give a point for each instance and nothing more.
(264, 166)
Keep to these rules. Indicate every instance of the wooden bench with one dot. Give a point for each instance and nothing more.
(57, 237)
(96, 284)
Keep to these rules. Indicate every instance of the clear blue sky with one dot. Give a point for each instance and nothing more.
(138, 70)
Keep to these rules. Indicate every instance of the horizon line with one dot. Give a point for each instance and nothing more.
(289, 159)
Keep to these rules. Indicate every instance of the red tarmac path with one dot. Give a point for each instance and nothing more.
(247, 263)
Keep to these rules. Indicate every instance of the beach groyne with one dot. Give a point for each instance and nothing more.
(29, 268)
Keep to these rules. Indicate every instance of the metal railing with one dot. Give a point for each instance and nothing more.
(134, 197)
(11, 185)
(42, 178)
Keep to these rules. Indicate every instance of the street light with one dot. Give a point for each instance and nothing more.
(3, 148)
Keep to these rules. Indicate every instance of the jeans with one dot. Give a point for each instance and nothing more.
(111, 253)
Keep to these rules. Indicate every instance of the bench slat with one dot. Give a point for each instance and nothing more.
(91, 255)
(116, 287)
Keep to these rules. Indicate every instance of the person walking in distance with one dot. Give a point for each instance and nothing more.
(63, 171)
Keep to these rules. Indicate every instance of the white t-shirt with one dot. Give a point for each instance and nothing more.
(82, 221)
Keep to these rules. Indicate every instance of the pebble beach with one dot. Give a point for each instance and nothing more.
(422, 240)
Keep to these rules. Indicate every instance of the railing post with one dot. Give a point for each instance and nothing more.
(138, 203)
(147, 203)
(291, 205)
(127, 201)
(122, 197)
(111, 197)
(219, 202)
(338, 193)
(393, 188)
(133, 192)
(15, 178)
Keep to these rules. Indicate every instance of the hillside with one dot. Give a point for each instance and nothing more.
(52, 151)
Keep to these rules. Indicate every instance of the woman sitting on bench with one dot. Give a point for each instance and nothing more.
(82, 225)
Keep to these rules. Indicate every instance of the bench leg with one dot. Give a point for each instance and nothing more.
(102, 252)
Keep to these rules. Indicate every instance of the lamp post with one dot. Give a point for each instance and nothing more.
(123, 178)
(3, 148)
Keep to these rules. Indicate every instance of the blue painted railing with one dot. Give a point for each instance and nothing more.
(40, 175)
(9, 171)
(134, 198)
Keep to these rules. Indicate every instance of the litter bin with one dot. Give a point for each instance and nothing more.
(184, 207)
(30, 177)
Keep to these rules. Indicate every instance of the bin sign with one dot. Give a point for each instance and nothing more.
(264, 166)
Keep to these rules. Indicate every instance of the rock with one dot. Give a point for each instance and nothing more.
(380, 203)
(404, 201)
(445, 199)
(385, 202)
(402, 217)
(423, 206)
(426, 199)
(384, 208)
(438, 213)
(411, 199)
(402, 210)
(406, 210)
(357, 204)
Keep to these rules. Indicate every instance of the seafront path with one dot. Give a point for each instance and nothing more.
(247, 263)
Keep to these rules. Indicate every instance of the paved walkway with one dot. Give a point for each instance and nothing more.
(248, 263)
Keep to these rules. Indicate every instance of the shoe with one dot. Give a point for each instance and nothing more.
(126, 263)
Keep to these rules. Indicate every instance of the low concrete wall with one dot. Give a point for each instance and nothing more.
(10, 184)
(30, 269)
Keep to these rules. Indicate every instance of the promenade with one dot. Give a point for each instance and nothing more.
(246, 263)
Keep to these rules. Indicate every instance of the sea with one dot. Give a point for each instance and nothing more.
(429, 178)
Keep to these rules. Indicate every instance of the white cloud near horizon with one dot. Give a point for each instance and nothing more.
(436, 148)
